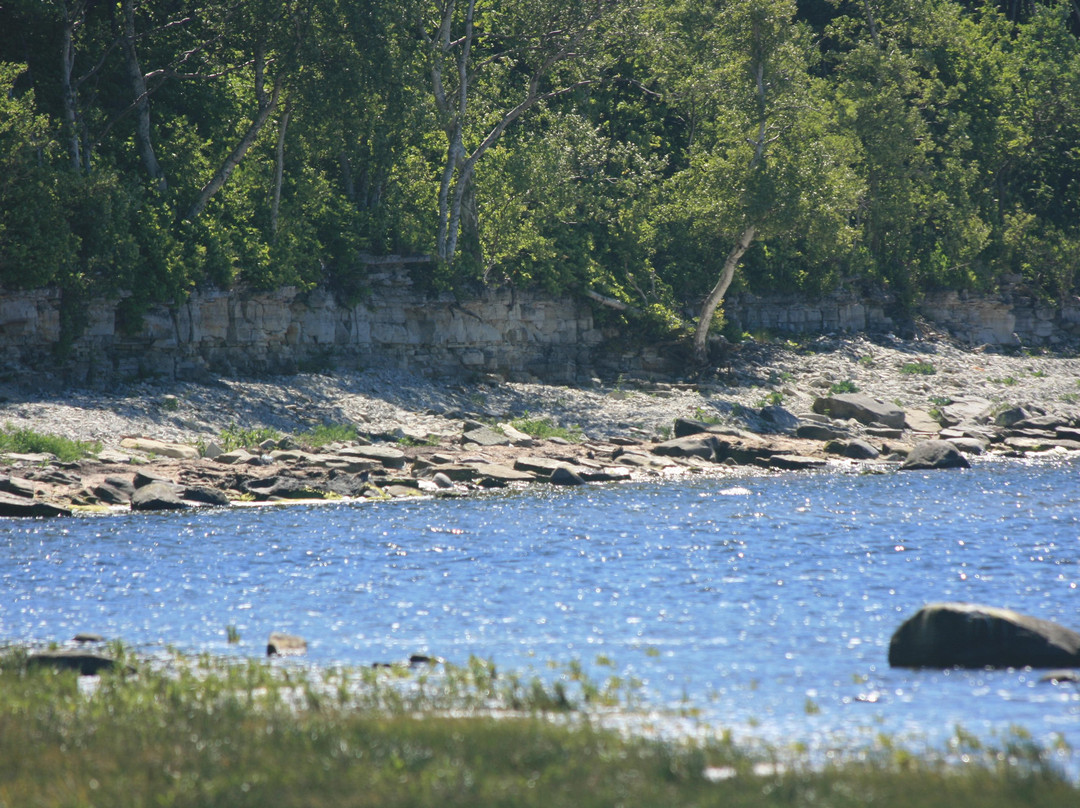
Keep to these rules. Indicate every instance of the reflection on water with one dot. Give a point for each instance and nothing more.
(764, 604)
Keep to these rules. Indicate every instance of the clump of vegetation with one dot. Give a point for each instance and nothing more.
(546, 428)
(920, 368)
(1006, 381)
(29, 441)
(233, 437)
(706, 417)
(846, 386)
(775, 399)
(866, 361)
(323, 434)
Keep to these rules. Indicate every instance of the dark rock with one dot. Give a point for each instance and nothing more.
(1061, 676)
(281, 644)
(1011, 416)
(278, 487)
(934, 454)
(795, 462)
(18, 487)
(820, 432)
(778, 419)
(442, 481)
(144, 478)
(690, 446)
(11, 505)
(86, 636)
(564, 475)
(1049, 422)
(971, 446)
(84, 663)
(158, 496)
(114, 491)
(206, 495)
(963, 635)
(684, 427)
(862, 408)
(854, 449)
(485, 436)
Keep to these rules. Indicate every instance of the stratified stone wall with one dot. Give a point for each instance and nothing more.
(513, 333)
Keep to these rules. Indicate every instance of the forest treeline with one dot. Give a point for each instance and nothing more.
(644, 152)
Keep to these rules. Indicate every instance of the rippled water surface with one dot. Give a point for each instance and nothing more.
(765, 603)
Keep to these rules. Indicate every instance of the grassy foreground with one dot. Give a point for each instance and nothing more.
(206, 734)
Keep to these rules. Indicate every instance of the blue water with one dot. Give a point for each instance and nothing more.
(762, 604)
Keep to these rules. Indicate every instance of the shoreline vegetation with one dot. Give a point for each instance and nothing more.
(205, 732)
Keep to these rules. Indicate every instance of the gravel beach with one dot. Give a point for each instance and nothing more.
(916, 375)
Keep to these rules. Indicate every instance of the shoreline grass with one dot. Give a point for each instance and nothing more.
(204, 732)
(29, 441)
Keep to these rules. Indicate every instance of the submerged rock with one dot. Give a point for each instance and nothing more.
(281, 644)
(964, 635)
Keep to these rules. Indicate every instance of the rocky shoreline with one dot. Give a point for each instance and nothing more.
(839, 402)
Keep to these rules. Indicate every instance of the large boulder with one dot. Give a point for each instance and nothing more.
(934, 454)
(964, 635)
(158, 496)
(862, 408)
(703, 446)
(11, 505)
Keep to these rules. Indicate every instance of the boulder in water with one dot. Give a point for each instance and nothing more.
(965, 635)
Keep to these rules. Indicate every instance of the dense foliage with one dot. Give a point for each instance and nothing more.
(641, 151)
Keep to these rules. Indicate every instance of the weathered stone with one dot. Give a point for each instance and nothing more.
(442, 481)
(820, 432)
(691, 446)
(1011, 416)
(206, 495)
(505, 474)
(564, 475)
(775, 418)
(516, 436)
(684, 427)
(921, 421)
(158, 496)
(388, 456)
(945, 635)
(11, 505)
(934, 454)
(537, 465)
(18, 487)
(971, 446)
(86, 636)
(112, 494)
(281, 644)
(606, 474)
(213, 450)
(795, 462)
(971, 410)
(853, 449)
(485, 436)
(238, 457)
(1048, 422)
(1041, 444)
(85, 663)
(862, 408)
(178, 451)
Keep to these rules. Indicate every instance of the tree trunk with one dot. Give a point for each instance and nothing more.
(69, 93)
(716, 296)
(267, 104)
(279, 168)
(142, 100)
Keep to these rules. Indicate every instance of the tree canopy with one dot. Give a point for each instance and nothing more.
(651, 154)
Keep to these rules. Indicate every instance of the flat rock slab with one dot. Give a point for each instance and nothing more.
(862, 408)
(388, 456)
(966, 635)
(177, 451)
(84, 663)
(921, 421)
(18, 487)
(485, 436)
(11, 505)
(795, 462)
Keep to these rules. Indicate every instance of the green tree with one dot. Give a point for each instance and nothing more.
(766, 158)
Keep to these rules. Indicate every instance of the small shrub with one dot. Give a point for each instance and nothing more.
(232, 634)
(1007, 381)
(545, 428)
(846, 386)
(775, 398)
(321, 435)
(866, 361)
(233, 437)
(918, 369)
